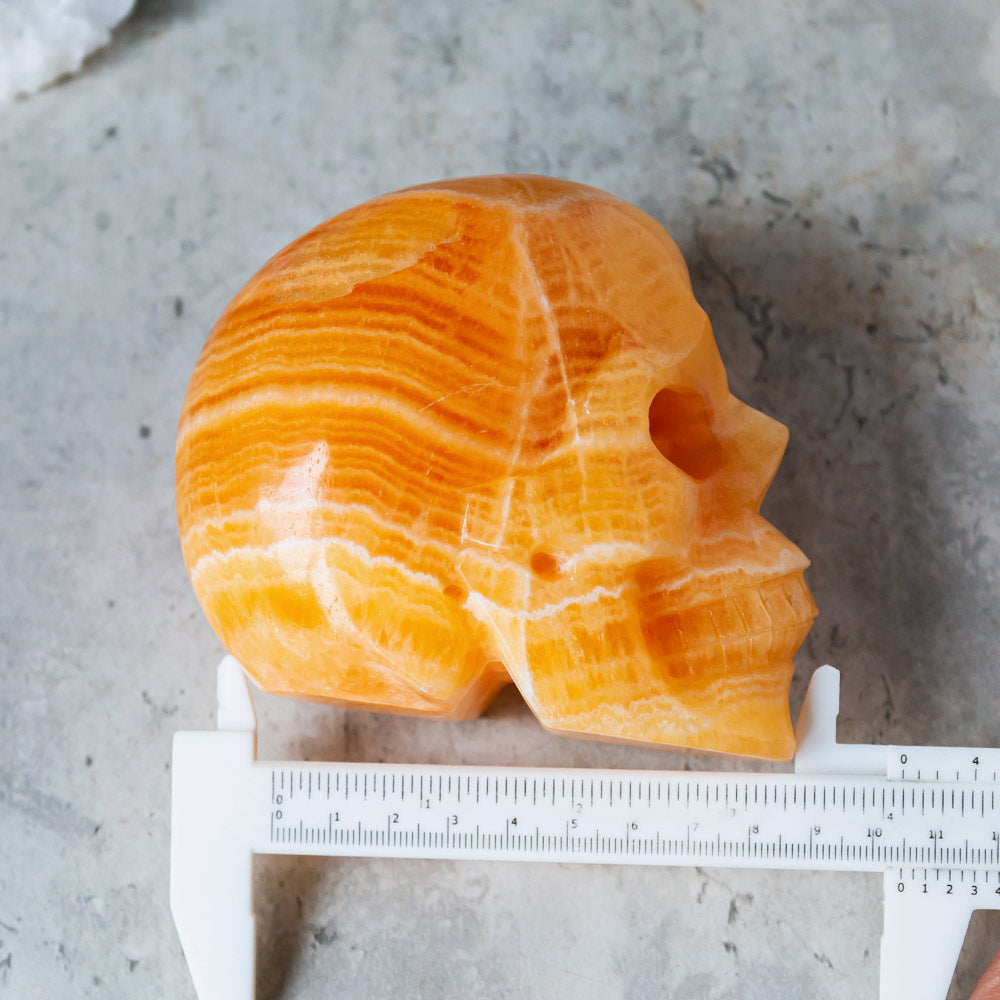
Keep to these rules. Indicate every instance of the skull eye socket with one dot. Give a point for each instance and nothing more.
(680, 426)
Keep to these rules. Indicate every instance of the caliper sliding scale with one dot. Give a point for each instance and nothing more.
(928, 818)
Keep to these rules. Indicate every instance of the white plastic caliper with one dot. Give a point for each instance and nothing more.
(927, 817)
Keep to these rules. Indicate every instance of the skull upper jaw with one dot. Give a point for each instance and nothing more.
(626, 663)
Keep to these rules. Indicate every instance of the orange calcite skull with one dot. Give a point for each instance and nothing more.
(477, 431)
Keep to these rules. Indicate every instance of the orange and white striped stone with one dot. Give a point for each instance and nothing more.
(479, 431)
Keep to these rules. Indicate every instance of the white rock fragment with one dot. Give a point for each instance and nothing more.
(40, 40)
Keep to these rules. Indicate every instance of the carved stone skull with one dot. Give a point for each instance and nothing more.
(480, 430)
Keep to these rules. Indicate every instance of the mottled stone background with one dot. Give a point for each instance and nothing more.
(830, 170)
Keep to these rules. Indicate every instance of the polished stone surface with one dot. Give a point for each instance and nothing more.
(830, 171)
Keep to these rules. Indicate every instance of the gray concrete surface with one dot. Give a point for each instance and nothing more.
(831, 172)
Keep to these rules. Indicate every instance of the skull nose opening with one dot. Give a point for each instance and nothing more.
(680, 427)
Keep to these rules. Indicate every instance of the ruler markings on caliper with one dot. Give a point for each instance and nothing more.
(720, 801)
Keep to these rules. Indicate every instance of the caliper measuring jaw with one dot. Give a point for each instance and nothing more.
(226, 808)
(211, 844)
(922, 934)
